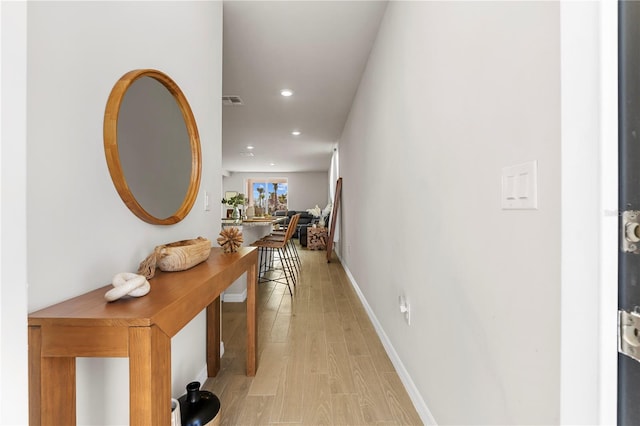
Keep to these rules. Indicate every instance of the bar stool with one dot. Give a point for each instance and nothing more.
(291, 249)
(268, 250)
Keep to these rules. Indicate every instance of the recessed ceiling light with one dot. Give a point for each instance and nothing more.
(272, 164)
(296, 133)
(286, 92)
(249, 146)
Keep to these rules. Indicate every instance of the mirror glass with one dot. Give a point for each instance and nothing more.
(152, 147)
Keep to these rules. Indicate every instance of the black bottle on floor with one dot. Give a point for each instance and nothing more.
(198, 407)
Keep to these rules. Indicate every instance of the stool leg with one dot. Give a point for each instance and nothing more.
(295, 251)
(290, 258)
(284, 265)
(289, 266)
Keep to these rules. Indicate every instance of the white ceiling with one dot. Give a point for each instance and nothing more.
(318, 49)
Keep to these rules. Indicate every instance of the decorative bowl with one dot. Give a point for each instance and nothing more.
(182, 255)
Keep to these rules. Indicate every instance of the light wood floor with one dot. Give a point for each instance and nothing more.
(320, 359)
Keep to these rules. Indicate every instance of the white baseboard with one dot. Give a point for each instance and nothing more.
(235, 297)
(202, 375)
(418, 402)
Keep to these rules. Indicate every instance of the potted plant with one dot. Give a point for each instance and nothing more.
(235, 201)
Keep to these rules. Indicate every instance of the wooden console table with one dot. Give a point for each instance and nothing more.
(137, 328)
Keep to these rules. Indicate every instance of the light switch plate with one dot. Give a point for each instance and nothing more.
(520, 186)
(207, 205)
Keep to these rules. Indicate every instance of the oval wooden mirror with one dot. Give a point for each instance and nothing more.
(152, 146)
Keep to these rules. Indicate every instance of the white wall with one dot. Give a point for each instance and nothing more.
(79, 232)
(589, 202)
(13, 223)
(453, 92)
(305, 189)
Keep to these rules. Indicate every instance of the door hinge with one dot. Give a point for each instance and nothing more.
(630, 232)
(629, 334)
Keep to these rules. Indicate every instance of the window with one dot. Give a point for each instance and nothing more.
(270, 193)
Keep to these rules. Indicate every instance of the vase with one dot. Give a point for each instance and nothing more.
(176, 419)
(199, 407)
(236, 213)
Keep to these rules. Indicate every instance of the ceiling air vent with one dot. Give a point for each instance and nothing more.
(232, 100)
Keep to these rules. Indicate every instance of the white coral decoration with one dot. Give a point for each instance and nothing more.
(316, 212)
(326, 211)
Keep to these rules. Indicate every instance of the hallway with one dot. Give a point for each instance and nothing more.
(321, 361)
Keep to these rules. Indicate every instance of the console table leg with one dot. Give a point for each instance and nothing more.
(252, 321)
(213, 338)
(58, 391)
(35, 375)
(58, 394)
(149, 376)
(52, 385)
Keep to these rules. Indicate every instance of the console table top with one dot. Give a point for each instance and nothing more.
(174, 299)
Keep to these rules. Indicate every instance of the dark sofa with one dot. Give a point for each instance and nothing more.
(306, 220)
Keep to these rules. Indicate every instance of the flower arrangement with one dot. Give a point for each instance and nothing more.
(316, 212)
(235, 201)
(322, 214)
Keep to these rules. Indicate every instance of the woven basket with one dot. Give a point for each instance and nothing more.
(182, 255)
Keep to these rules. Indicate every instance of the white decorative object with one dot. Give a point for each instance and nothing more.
(251, 212)
(127, 284)
(315, 212)
(175, 413)
(325, 212)
(321, 215)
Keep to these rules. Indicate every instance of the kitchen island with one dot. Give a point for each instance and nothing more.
(252, 230)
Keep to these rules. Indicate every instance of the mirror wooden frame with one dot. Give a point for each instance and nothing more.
(110, 133)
